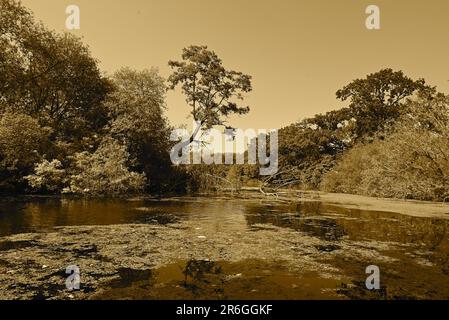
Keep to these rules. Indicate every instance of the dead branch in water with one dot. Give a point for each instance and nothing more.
(279, 180)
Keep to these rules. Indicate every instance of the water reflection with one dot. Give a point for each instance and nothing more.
(204, 279)
(324, 221)
(418, 245)
(21, 215)
(332, 223)
(198, 270)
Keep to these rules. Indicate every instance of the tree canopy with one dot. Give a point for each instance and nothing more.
(377, 100)
(212, 91)
(48, 75)
(136, 108)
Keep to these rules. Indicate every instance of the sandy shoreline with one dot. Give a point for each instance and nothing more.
(408, 207)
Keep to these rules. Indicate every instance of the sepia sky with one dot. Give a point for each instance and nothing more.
(299, 52)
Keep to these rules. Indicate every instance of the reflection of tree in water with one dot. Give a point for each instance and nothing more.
(205, 276)
(306, 217)
(325, 229)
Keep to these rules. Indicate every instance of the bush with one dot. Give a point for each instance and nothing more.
(21, 140)
(22, 143)
(347, 175)
(104, 172)
(47, 177)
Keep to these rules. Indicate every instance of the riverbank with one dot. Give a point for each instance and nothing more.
(413, 208)
(408, 207)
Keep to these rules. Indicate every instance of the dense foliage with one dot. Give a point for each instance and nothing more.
(64, 126)
(411, 162)
(377, 102)
(67, 128)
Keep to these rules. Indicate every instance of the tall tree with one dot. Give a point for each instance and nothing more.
(211, 91)
(50, 83)
(136, 109)
(48, 75)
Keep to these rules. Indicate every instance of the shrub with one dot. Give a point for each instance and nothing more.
(21, 140)
(104, 171)
(22, 143)
(48, 176)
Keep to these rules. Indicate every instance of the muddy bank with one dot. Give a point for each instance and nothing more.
(407, 207)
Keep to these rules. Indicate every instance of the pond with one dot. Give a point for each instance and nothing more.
(219, 248)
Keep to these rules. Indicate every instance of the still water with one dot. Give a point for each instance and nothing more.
(264, 249)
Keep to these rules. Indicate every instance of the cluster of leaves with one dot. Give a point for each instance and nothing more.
(391, 141)
(22, 142)
(105, 169)
(136, 108)
(48, 176)
(49, 76)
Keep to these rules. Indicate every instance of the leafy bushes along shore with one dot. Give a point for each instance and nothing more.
(103, 171)
(412, 162)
